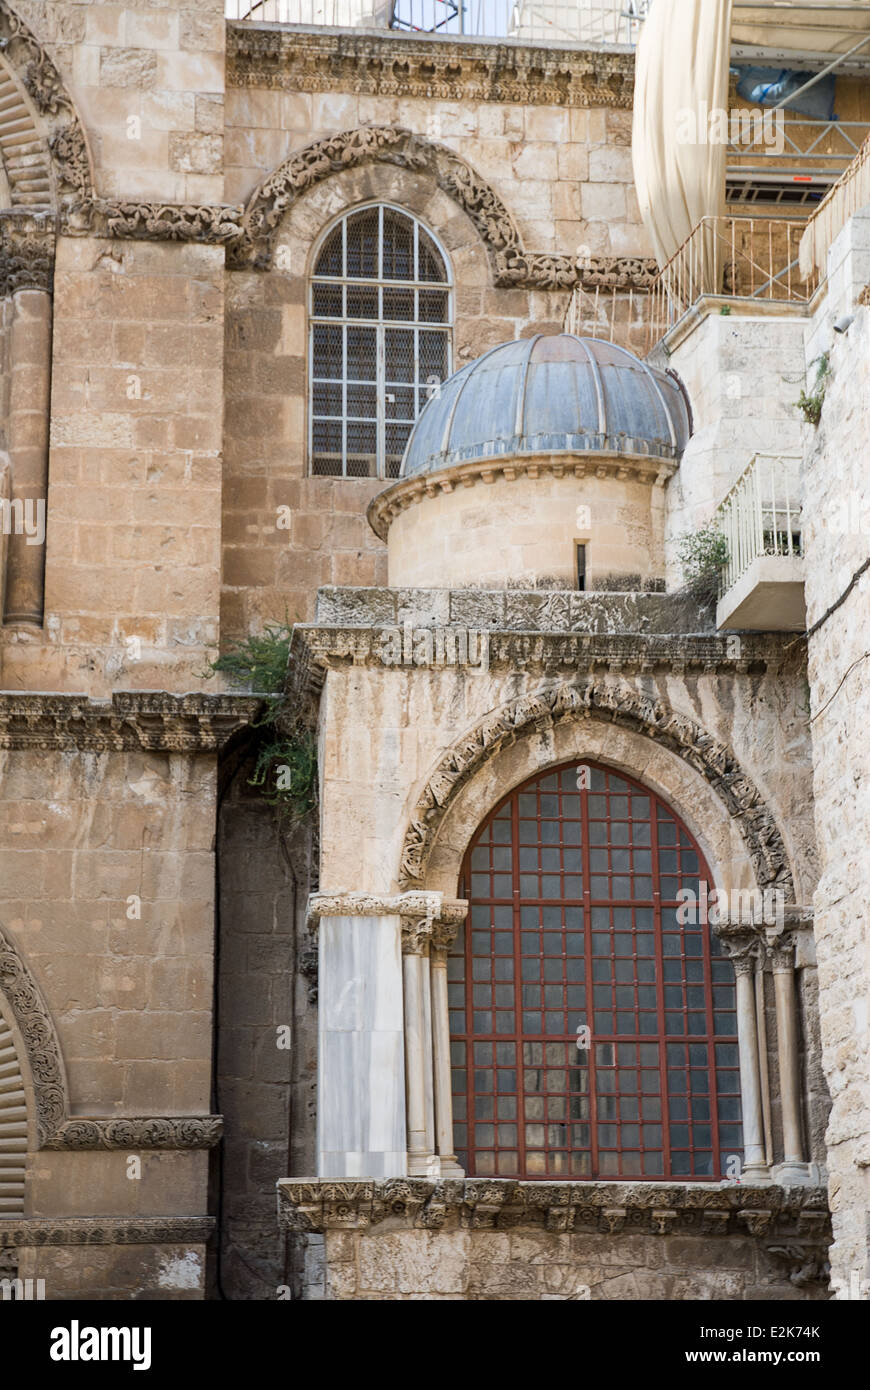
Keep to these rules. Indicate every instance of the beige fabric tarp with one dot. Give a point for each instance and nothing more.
(682, 66)
(830, 217)
(802, 25)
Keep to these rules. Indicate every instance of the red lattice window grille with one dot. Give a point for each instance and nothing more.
(574, 922)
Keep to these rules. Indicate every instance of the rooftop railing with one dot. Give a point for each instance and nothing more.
(561, 21)
(749, 259)
(761, 515)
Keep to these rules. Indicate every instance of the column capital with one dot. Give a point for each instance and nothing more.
(421, 913)
(779, 948)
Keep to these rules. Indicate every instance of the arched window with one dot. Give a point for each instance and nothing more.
(574, 922)
(380, 340)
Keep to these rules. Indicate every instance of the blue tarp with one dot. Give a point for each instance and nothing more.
(768, 86)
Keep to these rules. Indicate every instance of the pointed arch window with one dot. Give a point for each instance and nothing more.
(380, 340)
(574, 922)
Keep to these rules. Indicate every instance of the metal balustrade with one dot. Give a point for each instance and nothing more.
(761, 515)
(563, 21)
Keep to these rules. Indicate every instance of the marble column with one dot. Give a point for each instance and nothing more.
(793, 1170)
(755, 1168)
(443, 934)
(360, 1078)
(418, 1076)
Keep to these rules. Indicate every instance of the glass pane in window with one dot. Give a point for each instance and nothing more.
(398, 246)
(362, 245)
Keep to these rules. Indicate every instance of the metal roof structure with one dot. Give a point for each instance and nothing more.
(549, 395)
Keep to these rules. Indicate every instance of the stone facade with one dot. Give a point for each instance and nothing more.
(172, 956)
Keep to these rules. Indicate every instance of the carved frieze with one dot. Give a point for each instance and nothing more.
(209, 224)
(439, 68)
(719, 1210)
(106, 1230)
(155, 721)
(147, 1132)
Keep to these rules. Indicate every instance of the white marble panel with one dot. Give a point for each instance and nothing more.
(361, 1077)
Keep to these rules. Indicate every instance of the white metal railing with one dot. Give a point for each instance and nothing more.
(565, 21)
(761, 514)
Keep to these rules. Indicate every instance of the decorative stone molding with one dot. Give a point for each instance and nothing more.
(627, 653)
(54, 1127)
(314, 1206)
(211, 224)
(152, 720)
(428, 907)
(145, 1132)
(511, 264)
(40, 1040)
(621, 704)
(408, 492)
(62, 134)
(26, 252)
(449, 69)
(106, 1230)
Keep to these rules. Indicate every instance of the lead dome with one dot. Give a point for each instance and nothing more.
(550, 395)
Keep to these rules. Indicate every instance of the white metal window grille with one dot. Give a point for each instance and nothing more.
(381, 314)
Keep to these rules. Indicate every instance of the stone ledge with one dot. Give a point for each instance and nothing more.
(152, 720)
(431, 66)
(557, 610)
(313, 1206)
(550, 652)
(105, 1230)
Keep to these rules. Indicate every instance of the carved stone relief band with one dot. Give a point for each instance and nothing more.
(106, 1230)
(55, 1128)
(427, 924)
(391, 65)
(154, 721)
(703, 1209)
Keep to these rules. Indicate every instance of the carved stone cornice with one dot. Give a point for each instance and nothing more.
(620, 704)
(106, 1230)
(510, 262)
(153, 720)
(608, 459)
(548, 651)
(55, 1128)
(702, 1209)
(432, 67)
(26, 252)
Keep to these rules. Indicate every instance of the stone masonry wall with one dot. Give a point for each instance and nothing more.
(837, 544)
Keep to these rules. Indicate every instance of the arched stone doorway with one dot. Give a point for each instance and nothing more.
(579, 920)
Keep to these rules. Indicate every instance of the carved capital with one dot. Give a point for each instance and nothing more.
(26, 252)
(416, 935)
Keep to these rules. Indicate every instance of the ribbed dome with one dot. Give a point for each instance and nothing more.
(545, 395)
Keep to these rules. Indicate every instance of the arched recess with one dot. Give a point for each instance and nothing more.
(14, 1117)
(43, 144)
(445, 816)
(389, 146)
(29, 1014)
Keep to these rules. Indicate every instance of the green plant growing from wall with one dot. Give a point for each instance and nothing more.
(810, 405)
(703, 555)
(285, 763)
